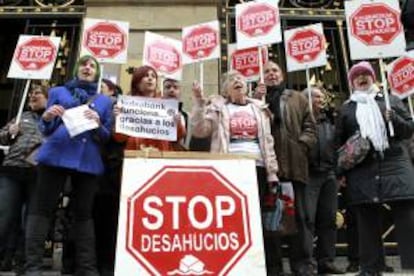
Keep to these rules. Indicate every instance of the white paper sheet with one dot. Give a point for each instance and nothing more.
(76, 122)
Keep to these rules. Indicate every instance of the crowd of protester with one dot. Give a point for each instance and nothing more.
(293, 141)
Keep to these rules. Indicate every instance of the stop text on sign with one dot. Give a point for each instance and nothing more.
(224, 206)
(258, 20)
(107, 40)
(246, 60)
(35, 53)
(403, 75)
(178, 212)
(305, 45)
(163, 56)
(381, 23)
(200, 42)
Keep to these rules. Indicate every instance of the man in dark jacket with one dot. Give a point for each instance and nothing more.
(294, 133)
(172, 90)
(321, 193)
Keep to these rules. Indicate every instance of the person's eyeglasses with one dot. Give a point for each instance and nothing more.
(35, 92)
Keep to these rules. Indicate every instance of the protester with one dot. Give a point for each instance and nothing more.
(62, 156)
(237, 125)
(106, 205)
(18, 173)
(294, 133)
(172, 90)
(322, 191)
(385, 175)
(110, 89)
(144, 84)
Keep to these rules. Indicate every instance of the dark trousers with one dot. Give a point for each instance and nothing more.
(321, 195)
(352, 235)
(105, 213)
(15, 190)
(272, 245)
(43, 203)
(301, 244)
(370, 231)
(50, 183)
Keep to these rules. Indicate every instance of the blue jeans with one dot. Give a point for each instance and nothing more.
(15, 187)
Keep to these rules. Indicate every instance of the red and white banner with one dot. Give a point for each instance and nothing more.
(164, 54)
(34, 57)
(106, 40)
(401, 75)
(305, 47)
(181, 219)
(257, 23)
(246, 61)
(201, 42)
(374, 29)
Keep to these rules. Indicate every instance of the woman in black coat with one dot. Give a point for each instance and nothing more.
(386, 175)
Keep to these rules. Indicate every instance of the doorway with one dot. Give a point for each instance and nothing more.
(10, 31)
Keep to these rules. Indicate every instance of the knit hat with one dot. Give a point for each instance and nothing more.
(359, 68)
(83, 60)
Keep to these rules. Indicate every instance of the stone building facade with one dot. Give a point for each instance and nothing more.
(164, 17)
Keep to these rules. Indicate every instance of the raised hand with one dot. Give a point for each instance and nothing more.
(260, 91)
(197, 91)
(14, 129)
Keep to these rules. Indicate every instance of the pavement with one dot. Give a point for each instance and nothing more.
(341, 262)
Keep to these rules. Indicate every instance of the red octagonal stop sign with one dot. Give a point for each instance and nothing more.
(35, 54)
(258, 19)
(401, 76)
(246, 61)
(188, 221)
(163, 57)
(375, 24)
(200, 42)
(105, 40)
(305, 45)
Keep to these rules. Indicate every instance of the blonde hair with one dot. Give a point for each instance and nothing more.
(312, 88)
(44, 88)
(225, 80)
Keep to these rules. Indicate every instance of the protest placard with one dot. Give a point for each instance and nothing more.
(147, 118)
(34, 57)
(107, 40)
(164, 54)
(257, 23)
(374, 29)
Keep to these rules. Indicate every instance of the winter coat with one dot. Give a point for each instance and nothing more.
(322, 157)
(294, 136)
(407, 14)
(379, 179)
(212, 119)
(81, 152)
(21, 146)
